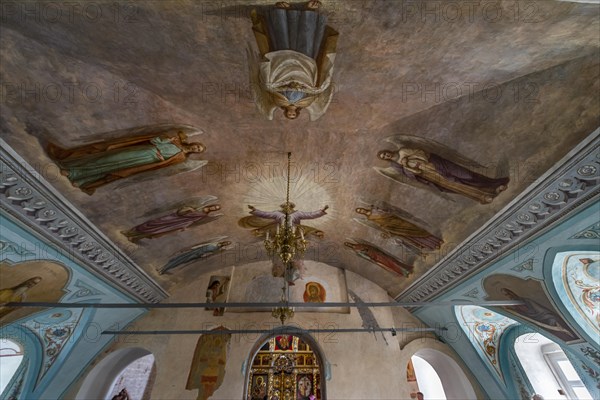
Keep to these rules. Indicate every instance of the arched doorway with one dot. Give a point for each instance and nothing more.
(285, 367)
(131, 366)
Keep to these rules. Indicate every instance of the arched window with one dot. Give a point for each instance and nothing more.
(548, 368)
(11, 356)
(132, 369)
(135, 379)
(452, 378)
(428, 381)
(285, 367)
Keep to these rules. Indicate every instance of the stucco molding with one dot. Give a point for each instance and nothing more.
(571, 185)
(592, 232)
(28, 197)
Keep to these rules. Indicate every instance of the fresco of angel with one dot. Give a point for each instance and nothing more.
(294, 66)
(93, 165)
(430, 165)
(262, 222)
(176, 218)
(194, 253)
(396, 223)
(377, 256)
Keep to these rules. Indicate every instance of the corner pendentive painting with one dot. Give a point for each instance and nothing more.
(537, 307)
(37, 281)
(577, 278)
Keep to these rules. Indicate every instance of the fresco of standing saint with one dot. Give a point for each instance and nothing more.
(208, 365)
(179, 219)
(426, 164)
(194, 253)
(395, 223)
(377, 256)
(91, 166)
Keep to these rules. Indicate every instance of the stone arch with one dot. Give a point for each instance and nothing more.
(456, 384)
(23, 382)
(100, 380)
(517, 381)
(305, 336)
(11, 358)
(563, 286)
(529, 370)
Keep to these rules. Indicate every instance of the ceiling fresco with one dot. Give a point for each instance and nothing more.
(576, 277)
(484, 329)
(143, 116)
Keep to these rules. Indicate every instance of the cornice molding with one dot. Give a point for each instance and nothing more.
(571, 185)
(29, 198)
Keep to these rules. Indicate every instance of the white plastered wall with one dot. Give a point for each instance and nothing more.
(362, 365)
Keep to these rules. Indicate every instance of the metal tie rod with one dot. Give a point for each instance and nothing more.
(283, 330)
(499, 303)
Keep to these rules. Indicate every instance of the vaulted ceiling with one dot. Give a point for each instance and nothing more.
(512, 89)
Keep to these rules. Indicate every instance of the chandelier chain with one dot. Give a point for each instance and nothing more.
(287, 194)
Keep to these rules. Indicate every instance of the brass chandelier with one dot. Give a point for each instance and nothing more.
(288, 243)
(284, 311)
